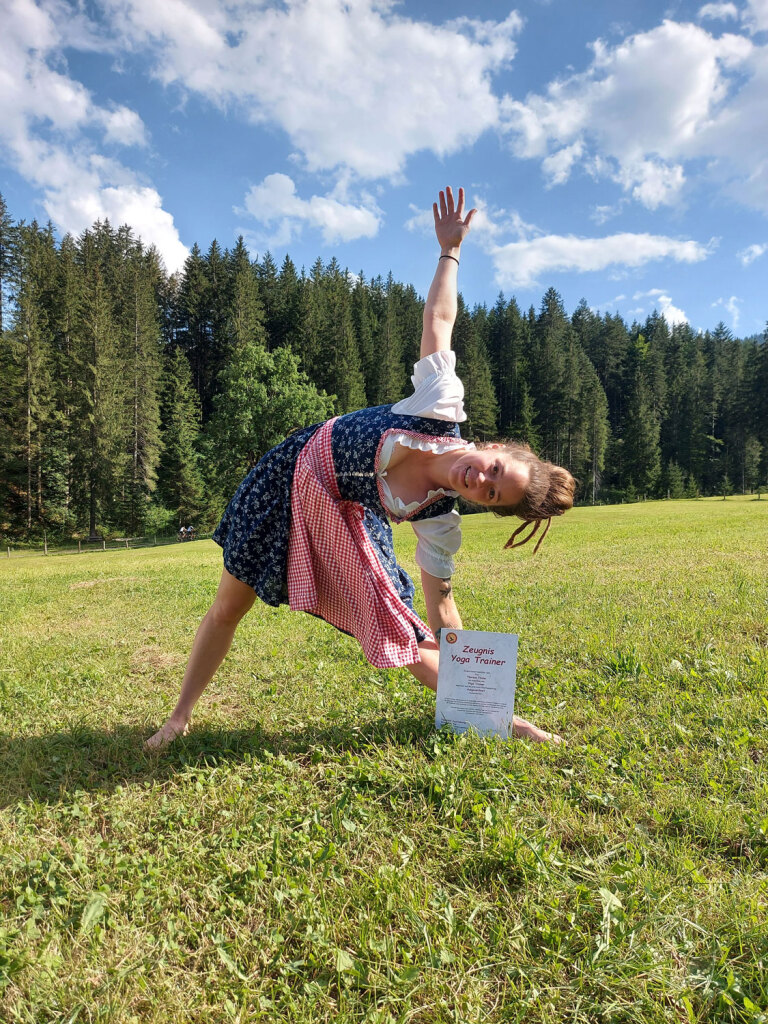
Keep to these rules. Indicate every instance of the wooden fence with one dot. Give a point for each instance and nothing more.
(78, 547)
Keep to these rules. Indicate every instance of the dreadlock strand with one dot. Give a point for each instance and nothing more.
(546, 531)
(511, 542)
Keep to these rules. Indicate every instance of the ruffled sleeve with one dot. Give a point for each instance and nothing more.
(438, 541)
(438, 393)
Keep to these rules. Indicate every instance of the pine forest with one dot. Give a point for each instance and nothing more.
(133, 402)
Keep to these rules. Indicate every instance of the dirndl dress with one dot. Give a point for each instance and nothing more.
(255, 531)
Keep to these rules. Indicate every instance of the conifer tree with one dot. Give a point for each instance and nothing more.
(193, 328)
(550, 343)
(605, 340)
(365, 327)
(642, 454)
(244, 311)
(32, 450)
(751, 465)
(142, 359)
(101, 458)
(410, 314)
(286, 326)
(6, 244)
(270, 297)
(591, 430)
(390, 378)
(508, 343)
(472, 362)
(758, 363)
(180, 483)
(68, 371)
(674, 481)
(308, 346)
(344, 375)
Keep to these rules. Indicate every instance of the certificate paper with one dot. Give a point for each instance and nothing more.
(476, 681)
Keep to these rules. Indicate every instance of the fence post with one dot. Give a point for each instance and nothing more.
(9, 552)
(103, 545)
(45, 541)
(79, 549)
(155, 540)
(126, 543)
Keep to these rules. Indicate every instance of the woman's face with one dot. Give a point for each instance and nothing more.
(490, 477)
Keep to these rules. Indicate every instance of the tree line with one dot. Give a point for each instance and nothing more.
(132, 400)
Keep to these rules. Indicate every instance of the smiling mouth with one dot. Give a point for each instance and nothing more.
(466, 476)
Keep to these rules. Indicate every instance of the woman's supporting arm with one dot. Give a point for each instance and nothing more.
(451, 228)
(441, 607)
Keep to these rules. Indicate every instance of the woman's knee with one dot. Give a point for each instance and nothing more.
(233, 600)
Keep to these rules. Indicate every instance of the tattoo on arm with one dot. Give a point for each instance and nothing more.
(445, 589)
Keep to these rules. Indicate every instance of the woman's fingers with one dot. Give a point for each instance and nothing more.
(448, 207)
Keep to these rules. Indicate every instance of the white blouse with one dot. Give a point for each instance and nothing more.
(437, 394)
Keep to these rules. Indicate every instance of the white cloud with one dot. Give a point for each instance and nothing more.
(122, 125)
(48, 121)
(652, 183)
(557, 166)
(522, 264)
(353, 83)
(422, 222)
(663, 303)
(756, 15)
(600, 214)
(719, 12)
(732, 306)
(275, 204)
(751, 253)
(653, 110)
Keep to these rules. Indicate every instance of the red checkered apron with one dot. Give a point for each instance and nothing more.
(333, 570)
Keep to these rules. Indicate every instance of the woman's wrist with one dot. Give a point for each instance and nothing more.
(453, 251)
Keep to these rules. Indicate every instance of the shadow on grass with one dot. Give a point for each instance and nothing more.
(47, 768)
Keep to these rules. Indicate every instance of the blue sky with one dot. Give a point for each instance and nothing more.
(616, 151)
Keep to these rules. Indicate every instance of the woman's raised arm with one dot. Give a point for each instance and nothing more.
(451, 228)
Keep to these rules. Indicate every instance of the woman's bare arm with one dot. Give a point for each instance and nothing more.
(451, 228)
(441, 607)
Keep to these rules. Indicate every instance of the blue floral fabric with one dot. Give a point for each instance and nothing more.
(255, 529)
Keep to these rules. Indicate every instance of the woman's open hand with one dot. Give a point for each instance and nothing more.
(451, 226)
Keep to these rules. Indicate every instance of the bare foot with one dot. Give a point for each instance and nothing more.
(529, 731)
(166, 735)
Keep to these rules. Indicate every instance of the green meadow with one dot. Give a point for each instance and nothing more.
(315, 851)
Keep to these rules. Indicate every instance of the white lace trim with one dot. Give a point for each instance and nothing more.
(395, 504)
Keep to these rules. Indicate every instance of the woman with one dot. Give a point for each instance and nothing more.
(310, 524)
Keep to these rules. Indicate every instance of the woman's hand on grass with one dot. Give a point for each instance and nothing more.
(451, 226)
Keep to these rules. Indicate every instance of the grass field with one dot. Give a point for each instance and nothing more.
(315, 851)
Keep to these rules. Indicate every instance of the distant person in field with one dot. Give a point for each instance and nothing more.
(310, 524)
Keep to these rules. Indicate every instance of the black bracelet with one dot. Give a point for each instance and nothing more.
(446, 256)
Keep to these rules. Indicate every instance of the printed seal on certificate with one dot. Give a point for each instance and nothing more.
(476, 681)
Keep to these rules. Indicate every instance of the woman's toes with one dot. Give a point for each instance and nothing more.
(166, 735)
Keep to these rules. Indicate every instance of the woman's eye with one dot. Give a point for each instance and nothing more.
(495, 468)
(492, 493)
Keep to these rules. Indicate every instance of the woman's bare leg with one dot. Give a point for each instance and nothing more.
(426, 672)
(213, 640)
